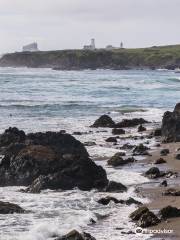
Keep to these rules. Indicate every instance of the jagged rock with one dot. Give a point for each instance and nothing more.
(47, 160)
(104, 121)
(130, 122)
(75, 235)
(111, 139)
(10, 208)
(171, 192)
(137, 214)
(131, 201)
(140, 150)
(164, 152)
(115, 187)
(153, 172)
(107, 200)
(117, 160)
(118, 131)
(141, 128)
(169, 212)
(171, 126)
(164, 183)
(160, 161)
(177, 108)
(148, 219)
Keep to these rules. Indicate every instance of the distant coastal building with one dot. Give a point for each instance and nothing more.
(92, 46)
(110, 47)
(33, 47)
(121, 45)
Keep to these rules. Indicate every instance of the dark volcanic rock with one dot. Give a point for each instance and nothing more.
(153, 172)
(108, 199)
(117, 160)
(164, 152)
(130, 122)
(136, 215)
(104, 121)
(171, 126)
(118, 131)
(141, 128)
(10, 208)
(127, 146)
(178, 156)
(159, 161)
(169, 212)
(75, 235)
(148, 219)
(164, 183)
(115, 187)
(111, 139)
(140, 150)
(48, 160)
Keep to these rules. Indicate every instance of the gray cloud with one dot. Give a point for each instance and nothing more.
(59, 24)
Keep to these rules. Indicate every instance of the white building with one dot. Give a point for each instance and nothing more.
(33, 47)
(92, 46)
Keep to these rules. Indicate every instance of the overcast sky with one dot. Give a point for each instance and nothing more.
(61, 24)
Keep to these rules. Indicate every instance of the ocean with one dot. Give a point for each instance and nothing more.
(43, 100)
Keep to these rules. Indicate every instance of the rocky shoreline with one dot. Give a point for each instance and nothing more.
(57, 160)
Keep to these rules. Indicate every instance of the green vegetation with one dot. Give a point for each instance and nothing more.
(154, 57)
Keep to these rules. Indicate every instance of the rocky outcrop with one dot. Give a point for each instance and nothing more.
(75, 235)
(108, 199)
(117, 160)
(47, 160)
(104, 121)
(171, 125)
(153, 172)
(131, 122)
(144, 218)
(171, 192)
(10, 208)
(169, 212)
(140, 150)
(141, 128)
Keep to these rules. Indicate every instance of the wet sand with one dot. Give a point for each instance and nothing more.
(154, 192)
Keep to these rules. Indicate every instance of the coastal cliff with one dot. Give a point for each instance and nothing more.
(154, 57)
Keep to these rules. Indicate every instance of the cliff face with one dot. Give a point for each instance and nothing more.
(155, 57)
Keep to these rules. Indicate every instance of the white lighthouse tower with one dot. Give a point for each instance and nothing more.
(93, 45)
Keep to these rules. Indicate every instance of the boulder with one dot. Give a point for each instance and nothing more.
(160, 161)
(111, 139)
(169, 212)
(171, 127)
(164, 184)
(131, 201)
(164, 152)
(178, 156)
(10, 208)
(148, 219)
(104, 121)
(140, 150)
(118, 131)
(153, 172)
(75, 235)
(130, 122)
(115, 187)
(141, 128)
(117, 160)
(127, 146)
(48, 160)
(107, 200)
(137, 214)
